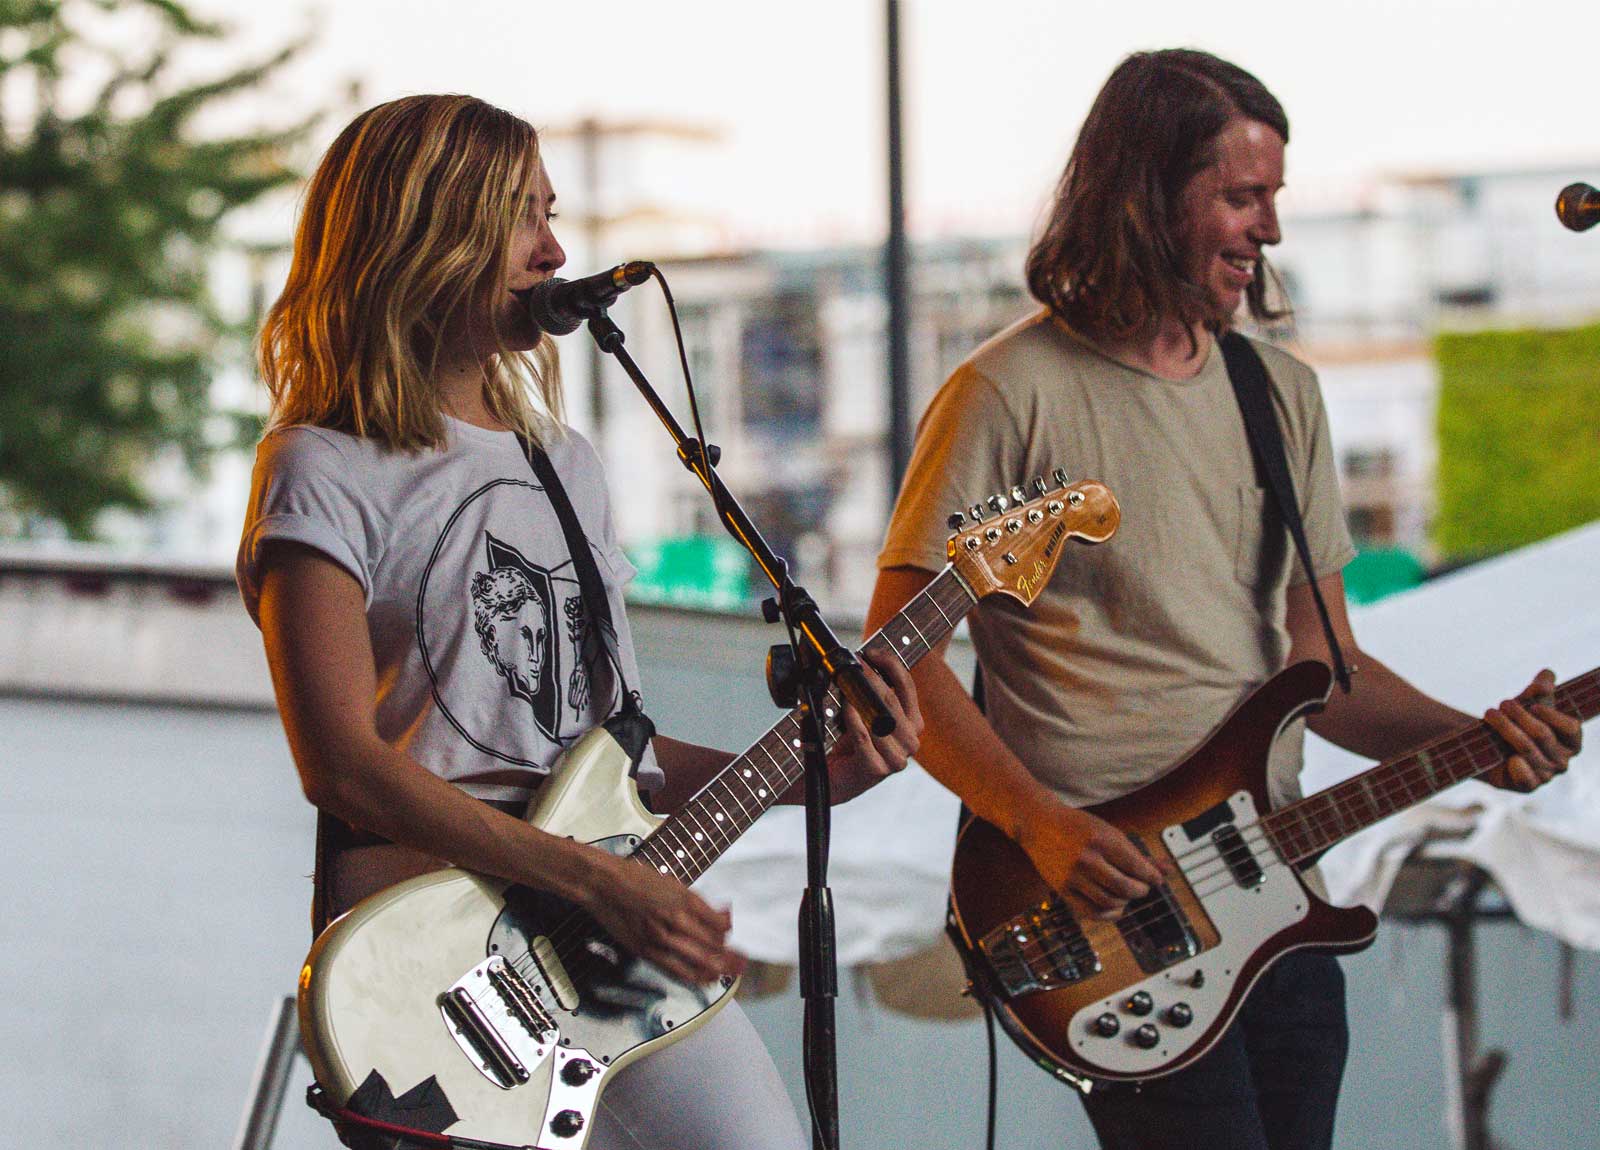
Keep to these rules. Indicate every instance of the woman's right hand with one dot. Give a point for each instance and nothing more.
(1081, 854)
(662, 921)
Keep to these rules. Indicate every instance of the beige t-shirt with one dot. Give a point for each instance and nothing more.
(1138, 647)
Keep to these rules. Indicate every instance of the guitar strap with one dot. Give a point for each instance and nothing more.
(1253, 391)
(630, 726)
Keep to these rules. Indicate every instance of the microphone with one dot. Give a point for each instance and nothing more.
(1578, 207)
(558, 306)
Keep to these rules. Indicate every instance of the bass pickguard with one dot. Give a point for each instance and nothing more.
(602, 998)
(1249, 893)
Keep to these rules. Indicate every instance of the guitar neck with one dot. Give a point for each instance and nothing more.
(1306, 828)
(696, 835)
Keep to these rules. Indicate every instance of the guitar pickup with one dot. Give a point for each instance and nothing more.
(498, 1023)
(1039, 950)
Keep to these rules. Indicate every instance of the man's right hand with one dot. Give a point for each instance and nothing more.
(662, 921)
(1081, 854)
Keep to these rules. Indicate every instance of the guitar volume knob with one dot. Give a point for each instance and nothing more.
(1139, 1003)
(566, 1124)
(1179, 1014)
(1146, 1037)
(577, 1072)
(1107, 1025)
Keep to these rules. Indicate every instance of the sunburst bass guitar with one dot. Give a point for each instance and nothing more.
(495, 1013)
(1148, 994)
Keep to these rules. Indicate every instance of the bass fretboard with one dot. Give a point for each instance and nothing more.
(1306, 828)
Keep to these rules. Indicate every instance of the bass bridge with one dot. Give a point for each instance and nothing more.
(1040, 949)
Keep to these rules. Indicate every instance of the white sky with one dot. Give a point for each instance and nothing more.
(994, 89)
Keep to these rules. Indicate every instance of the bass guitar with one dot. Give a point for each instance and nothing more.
(494, 1013)
(1148, 994)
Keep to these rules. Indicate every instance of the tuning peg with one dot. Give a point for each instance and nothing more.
(956, 521)
(998, 503)
(1060, 476)
(1018, 495)
(1038, 485)
(976, 511)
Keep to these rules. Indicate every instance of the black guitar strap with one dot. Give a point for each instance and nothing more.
(1253, 391)
(595, 603)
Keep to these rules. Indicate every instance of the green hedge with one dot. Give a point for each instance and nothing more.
(1519, 437)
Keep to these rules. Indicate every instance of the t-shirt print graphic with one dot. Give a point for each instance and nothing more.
(516, 665)
(512, 613)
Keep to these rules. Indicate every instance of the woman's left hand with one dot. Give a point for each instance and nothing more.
(859, 761)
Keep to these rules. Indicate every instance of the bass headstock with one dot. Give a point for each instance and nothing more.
(1014, 543)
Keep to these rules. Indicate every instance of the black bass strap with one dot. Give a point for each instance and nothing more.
(1253, 391)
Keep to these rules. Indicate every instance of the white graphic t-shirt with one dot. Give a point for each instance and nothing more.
(488, 663)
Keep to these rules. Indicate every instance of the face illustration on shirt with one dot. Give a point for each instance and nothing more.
(513, 613)
(519, 639)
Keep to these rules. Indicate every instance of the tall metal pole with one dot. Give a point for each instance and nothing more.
(589, 138)
(896, 279)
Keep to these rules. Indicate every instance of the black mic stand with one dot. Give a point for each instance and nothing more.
(815, 656)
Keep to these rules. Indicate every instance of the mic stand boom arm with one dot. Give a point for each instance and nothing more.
(837, 660)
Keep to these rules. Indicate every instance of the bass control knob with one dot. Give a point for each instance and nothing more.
(1107, 1025)
(1146, 1037)
(1179, 1014)
(578, 1071)
(566, 1124)
(1140, 1003)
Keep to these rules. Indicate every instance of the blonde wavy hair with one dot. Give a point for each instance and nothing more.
(402, 237)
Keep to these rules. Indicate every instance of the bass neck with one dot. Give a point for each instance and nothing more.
(1304, 829)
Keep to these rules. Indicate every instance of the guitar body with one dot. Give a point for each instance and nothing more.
(1093, 1000)
(374, 989)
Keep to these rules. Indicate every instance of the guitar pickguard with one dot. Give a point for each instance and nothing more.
(601, 998)
(1249, 893)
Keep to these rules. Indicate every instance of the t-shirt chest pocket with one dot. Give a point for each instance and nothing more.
(1260, 542)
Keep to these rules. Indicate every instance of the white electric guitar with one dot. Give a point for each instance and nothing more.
(494, 1013)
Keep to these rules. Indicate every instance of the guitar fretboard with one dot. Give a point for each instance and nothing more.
(722, 810)
(1305, 829)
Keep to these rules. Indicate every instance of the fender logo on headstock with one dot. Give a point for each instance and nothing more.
(1030, 583)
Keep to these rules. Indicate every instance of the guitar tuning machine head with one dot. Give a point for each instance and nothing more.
(1038, 485)
(976, 511)
(1060, 476)
(1018, 495)
(998, 503)
(956, 521)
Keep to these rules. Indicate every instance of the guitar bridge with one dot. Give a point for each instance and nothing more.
(1042, 949)
(498, 1023)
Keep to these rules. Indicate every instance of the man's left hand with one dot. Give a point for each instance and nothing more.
(1542, 738)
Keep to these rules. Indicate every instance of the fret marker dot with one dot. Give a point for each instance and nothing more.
(905, 640)
(680, 854)
(719, 816)
(761, 792)
(829, 711)
(747, 773)
(797, 742)
(698, 836)
(665, 870)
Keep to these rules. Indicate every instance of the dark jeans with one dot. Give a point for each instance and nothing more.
(1270, 1083)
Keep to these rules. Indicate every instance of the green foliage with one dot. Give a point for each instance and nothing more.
(1519, 437)
(109, 218)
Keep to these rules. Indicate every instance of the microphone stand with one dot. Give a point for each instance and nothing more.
(817, 658)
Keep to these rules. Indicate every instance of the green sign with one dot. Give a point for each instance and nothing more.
(705, 571)
(1380, 572)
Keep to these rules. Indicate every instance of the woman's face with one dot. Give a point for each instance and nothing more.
(535, 256)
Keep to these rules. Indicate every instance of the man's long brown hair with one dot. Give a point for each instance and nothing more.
(1108, 260)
